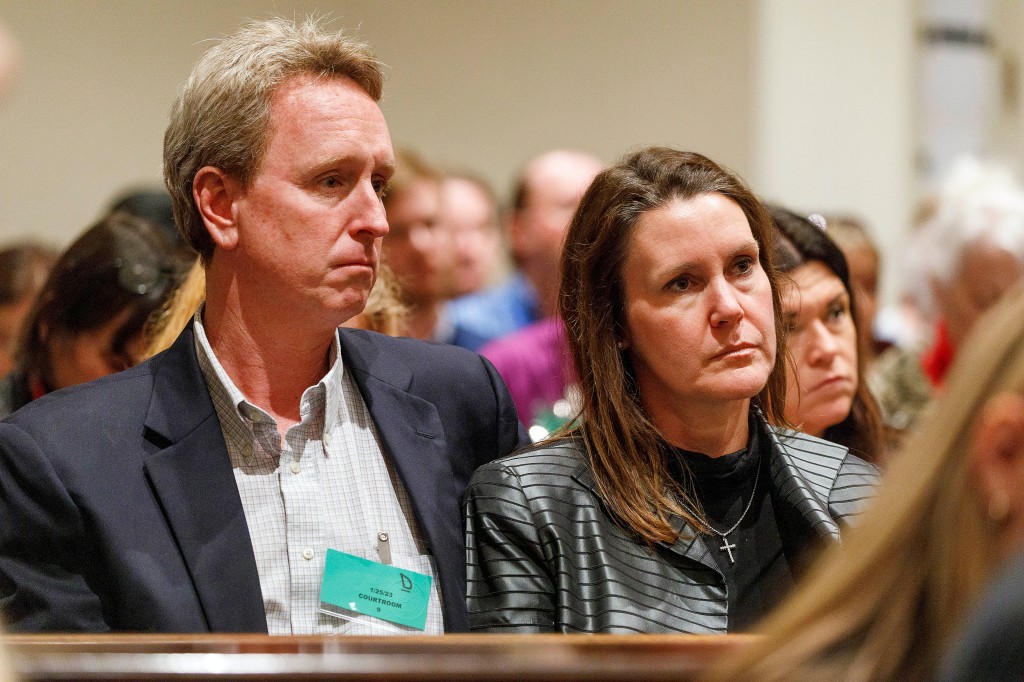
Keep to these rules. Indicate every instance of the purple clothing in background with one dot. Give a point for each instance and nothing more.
(534, 362)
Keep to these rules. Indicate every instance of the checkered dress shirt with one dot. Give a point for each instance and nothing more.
(326, 484)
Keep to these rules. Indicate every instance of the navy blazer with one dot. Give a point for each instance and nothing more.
(118, 505)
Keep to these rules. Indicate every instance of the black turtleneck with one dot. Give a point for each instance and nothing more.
(760, 574)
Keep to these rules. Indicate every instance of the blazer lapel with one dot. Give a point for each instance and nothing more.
(688, 545)
(411, 432)
(802, 473)
(192, 478)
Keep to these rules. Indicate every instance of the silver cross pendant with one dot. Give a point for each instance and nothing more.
(728, 548)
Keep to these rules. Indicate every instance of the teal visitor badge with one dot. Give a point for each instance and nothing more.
(352, 586)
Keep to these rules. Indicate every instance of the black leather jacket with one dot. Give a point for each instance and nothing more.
(544, 555)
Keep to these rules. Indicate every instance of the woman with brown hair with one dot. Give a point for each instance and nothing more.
(671, 503)
(887, 604)
(827, 392)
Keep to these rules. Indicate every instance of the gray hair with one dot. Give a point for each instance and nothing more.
(222, 113)
(977, 202)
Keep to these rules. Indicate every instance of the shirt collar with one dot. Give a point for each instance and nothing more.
(325, 394)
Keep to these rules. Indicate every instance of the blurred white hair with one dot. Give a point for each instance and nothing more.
(977, 201)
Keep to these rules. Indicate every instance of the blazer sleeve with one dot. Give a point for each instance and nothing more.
(508, 586)
(512, 434)
(43, 560)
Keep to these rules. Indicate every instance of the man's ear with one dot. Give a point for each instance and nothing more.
(997, 453)
(215, 193)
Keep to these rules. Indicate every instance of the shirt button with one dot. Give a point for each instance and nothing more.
(295, 469)
(307, 554)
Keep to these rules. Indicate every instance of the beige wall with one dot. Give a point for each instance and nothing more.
(1007, 140)
(473, 83)
(836, 99)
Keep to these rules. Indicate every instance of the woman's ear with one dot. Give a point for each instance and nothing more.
(214, 193)
(997, 452)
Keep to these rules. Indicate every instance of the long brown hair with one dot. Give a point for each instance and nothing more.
(628, 455)
(885, 603)
(801, 242)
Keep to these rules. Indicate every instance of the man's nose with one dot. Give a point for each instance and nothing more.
(373, 219)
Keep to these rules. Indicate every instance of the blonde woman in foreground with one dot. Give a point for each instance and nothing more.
(6, 671)
(950, 512)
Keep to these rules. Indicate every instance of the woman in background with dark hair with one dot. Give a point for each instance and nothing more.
(672, 503)
(23, 271)
(826, 392)
(89, 318)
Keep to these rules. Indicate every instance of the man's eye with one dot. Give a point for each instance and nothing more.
(380, 187)
(744, 265)
(330, 182)
(680, 283)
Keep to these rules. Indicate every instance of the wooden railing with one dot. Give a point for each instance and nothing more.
(498, 658)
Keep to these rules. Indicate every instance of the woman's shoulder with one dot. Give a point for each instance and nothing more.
(554, 461)
(817, 456)
(844, 479)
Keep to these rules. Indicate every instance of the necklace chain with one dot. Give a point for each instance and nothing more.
(726, 547)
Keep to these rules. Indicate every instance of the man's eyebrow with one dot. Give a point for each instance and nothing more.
(332, 162)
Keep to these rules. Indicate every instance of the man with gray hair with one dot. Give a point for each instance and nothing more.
(267, 472)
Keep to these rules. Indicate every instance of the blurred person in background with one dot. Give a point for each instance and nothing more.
(546, 194)
(529, 349)
(535, 365)
(89, 317)
(674, 502)
(826, 392)
(9, 58)
(887, 603)
(7, 54)
(23, 270)
(853, 238)
(418, 251)
(384, 312)
(469, 211)
(968, 251)
(154, 205)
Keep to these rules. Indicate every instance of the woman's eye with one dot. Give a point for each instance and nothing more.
(744, 265)
(836, 312)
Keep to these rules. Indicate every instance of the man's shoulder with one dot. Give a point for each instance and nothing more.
(404, 362)
(369, 343)
(91, 392)
(548, 463)
(91, 430)
(93, 405)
